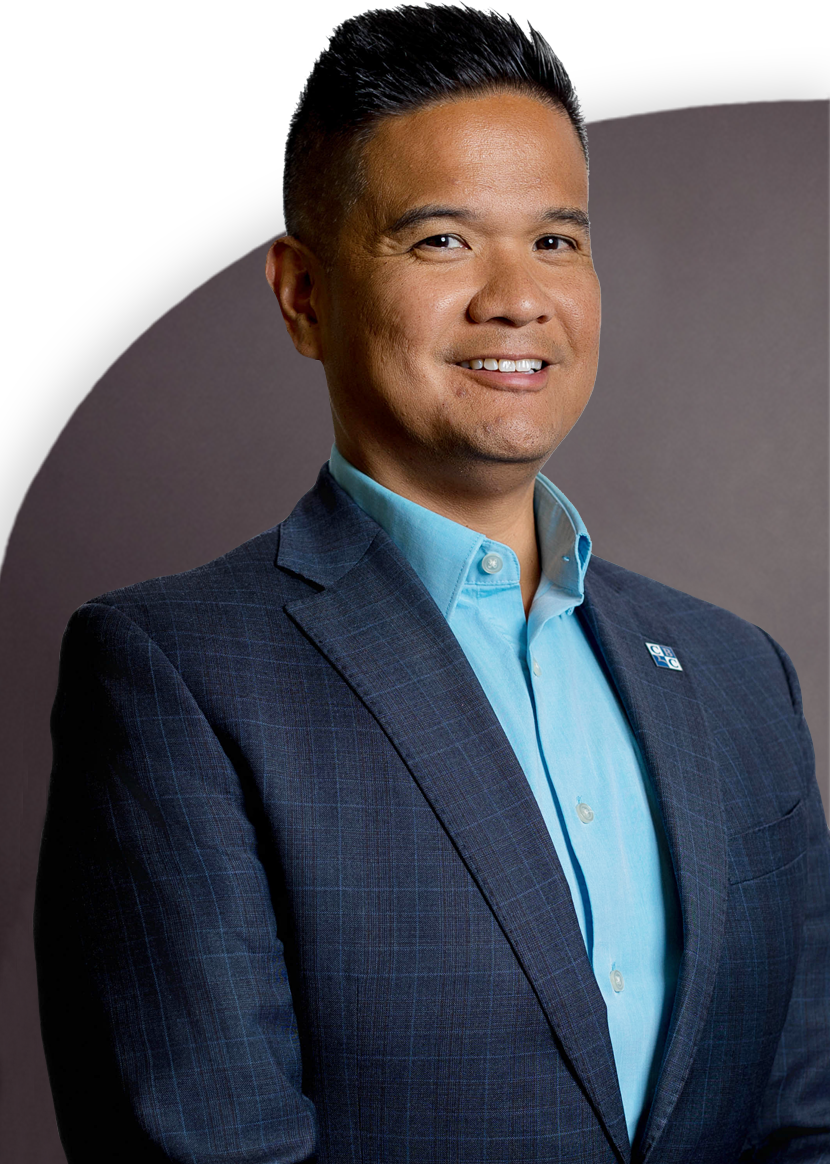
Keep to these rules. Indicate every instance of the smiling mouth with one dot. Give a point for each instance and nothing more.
(495, 364)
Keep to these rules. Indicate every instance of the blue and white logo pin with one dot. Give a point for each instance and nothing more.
(664, 656)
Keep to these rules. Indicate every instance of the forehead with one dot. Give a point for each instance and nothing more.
(504, 150)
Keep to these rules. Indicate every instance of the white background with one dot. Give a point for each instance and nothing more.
(142, 151)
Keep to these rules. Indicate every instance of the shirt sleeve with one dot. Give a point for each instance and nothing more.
(166, 1005)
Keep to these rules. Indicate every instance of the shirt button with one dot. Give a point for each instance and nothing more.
(537, 670)
(586, 815)
(491, 563)
(617, 981)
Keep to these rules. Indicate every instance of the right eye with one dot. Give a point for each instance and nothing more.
(442, 242)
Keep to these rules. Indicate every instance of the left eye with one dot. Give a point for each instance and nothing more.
(552, 242)
(444, 242)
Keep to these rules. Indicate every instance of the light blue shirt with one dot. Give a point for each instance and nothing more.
(571, 736)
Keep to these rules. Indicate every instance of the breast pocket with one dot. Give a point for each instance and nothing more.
(768, 848)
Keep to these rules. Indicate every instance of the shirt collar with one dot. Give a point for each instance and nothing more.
(447, 556)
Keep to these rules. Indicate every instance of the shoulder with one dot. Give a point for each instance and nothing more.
(226, 598)
(656, 600)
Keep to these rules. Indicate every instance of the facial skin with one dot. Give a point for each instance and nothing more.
(469, 241)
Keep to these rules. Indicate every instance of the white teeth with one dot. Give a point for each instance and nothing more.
(492, 365)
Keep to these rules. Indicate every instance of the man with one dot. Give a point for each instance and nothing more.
(409, 830)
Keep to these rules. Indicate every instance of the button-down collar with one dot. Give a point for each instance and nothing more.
(448, 556)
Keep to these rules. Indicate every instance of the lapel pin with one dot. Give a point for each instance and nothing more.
(664, 656)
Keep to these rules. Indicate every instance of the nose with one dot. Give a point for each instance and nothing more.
(511, 294)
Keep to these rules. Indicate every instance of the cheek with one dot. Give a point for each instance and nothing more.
(386, 334)
(366, 330)
(374, 323)
(580, 312)
(406, 314)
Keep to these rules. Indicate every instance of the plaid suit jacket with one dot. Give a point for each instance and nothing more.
(297, 901)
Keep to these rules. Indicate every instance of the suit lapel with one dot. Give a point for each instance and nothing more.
(666, 713)
(380, 629)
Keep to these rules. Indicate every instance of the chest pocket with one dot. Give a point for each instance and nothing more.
(768, 848)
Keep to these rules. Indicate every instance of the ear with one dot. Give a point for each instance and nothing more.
(294, 274)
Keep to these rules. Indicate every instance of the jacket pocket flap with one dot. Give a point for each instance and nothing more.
(767, 848)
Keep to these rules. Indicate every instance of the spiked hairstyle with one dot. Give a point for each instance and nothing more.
(393, 61)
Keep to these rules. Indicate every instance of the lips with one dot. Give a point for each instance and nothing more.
(510, 373)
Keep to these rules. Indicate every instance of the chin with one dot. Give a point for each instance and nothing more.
(516, 442)
(492, 446)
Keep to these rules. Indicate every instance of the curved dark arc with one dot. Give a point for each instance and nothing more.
(64, 370)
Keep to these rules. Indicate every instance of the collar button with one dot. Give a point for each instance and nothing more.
(491, 563)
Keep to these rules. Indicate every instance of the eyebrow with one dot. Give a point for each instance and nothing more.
(418, 214)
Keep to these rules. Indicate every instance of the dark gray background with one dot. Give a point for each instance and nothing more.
(702, 459)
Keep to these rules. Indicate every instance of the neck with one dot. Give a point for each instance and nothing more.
(493, 499)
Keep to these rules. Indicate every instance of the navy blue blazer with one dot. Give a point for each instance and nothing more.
(297, 901)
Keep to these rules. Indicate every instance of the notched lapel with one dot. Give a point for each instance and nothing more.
(381, 630)
(667, 715)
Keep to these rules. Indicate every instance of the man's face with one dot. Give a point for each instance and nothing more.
(469, 244)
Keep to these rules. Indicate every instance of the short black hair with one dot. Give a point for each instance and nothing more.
(392, 61)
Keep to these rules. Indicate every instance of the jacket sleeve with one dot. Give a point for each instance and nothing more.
(166, 1009)
(793, 1123)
